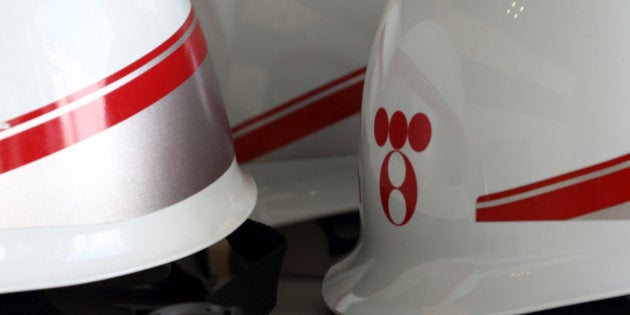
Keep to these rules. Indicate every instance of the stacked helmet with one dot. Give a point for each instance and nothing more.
(291, 73)
(115, 151)
(494, 160)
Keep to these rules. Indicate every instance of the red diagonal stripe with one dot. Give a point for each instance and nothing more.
(555, 179)
(115, 76)
(297, 100)
(586, 197)
(107, 111)
(301, 122)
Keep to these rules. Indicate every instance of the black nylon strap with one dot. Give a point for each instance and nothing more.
(255, 289)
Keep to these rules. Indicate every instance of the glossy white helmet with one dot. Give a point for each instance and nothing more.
(115, 151)
(494, 165)
(291, 73)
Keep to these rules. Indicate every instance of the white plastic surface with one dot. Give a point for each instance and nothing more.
(94, 252)
(299, 190)
(269, 52)
(516, 92)
(74, 57)
(51, 53)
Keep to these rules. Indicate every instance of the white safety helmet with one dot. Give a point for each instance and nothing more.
(494, 160)
(115, 151)
(291, 73)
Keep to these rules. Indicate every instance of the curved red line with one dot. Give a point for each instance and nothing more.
(554, 180)
(299, 123)
(297, 100)
(565, 203)
(107, 111)
(114, 77)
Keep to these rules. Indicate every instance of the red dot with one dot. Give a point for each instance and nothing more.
(381, 127)
(398, 130)
(419, 132)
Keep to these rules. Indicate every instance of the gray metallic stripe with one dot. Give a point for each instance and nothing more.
(164, 154)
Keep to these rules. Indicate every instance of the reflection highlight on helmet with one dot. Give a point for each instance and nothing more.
(98, 245)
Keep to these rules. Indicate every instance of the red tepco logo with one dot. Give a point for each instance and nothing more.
(399, 131)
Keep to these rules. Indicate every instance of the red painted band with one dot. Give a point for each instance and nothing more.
(110, 109)
(554, 180)
(565, 203)
(301, 122)
(115, 76)
(297, 100)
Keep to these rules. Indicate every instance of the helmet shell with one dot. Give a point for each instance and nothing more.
(115, 151)
(493, 155)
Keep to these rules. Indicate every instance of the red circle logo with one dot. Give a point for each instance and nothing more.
(418, 133)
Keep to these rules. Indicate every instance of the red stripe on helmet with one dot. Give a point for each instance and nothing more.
(574, 197)
(301, 122)
(297, 100)
(115, 76)
(108, 110)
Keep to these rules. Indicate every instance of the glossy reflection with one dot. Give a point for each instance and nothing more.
(516, 92)
(98, 245)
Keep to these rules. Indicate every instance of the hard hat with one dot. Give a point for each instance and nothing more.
(115, 151)
(292, 75)
(494, 160)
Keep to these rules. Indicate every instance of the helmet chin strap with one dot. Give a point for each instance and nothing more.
(181, 287)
